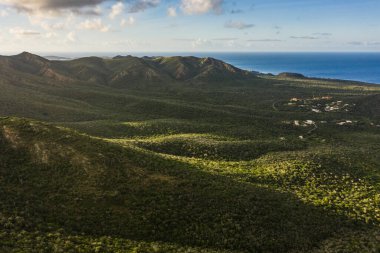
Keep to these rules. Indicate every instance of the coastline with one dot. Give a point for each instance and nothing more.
(360, 67)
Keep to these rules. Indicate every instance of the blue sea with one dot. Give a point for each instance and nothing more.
(363, 67)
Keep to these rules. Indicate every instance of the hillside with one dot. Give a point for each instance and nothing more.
(291, 75)
(82, 186)
(122, 71)
(182, 154)
(192, 68)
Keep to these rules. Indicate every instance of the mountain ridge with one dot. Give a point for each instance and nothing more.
(124, 70)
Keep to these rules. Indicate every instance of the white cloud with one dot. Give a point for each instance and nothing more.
(142, 5)
(127, 22)
(19, 31)
(201, 6)
(172, 12)
(238, 25)
(50, 35)
(71, 37)
(51, 24)
(4, 13)
(94, 24)
(52, 7)
(98, 10)
(199, 43)
(82, 7)
(52, 27)
(116, 10)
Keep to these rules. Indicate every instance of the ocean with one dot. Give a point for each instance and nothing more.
(363, 67)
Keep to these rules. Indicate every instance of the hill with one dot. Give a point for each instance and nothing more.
(123, 71)
(27, 63)
(192, 68)
(182, 154)
(291, 75)
(60, 185)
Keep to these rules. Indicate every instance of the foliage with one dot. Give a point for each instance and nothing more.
(211, 164)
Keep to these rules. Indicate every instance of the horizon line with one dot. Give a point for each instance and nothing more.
(49, 53)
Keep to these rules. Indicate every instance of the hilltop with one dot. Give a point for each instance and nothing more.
(184, 154)
(291, 75)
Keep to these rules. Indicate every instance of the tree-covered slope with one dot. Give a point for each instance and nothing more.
(181, 154)
(59, 185)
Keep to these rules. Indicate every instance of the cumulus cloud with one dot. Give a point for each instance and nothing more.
(116, 10)
(4, 13)
(238, 25)
(50, 6)
(172, 12)
(199, 43)
(97, 10)
(23, 32)
(50, 35)
(94, 24)
(71, 37)
(142, 5)
(127, 22)
(192, 7)
(84, 7)
(52, 27)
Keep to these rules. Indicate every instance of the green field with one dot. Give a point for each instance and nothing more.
(183, 154)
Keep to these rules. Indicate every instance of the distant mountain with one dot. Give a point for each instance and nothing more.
(188, 68)
(123, 71)
(56, 58)
(25, 64)
(291, 75)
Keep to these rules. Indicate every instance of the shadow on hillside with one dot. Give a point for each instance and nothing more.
(97, 188)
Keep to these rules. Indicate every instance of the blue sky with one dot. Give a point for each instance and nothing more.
(189, 25)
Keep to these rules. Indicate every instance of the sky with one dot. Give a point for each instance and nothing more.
(189, 25)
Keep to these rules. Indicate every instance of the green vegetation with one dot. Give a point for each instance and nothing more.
(184, 155)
